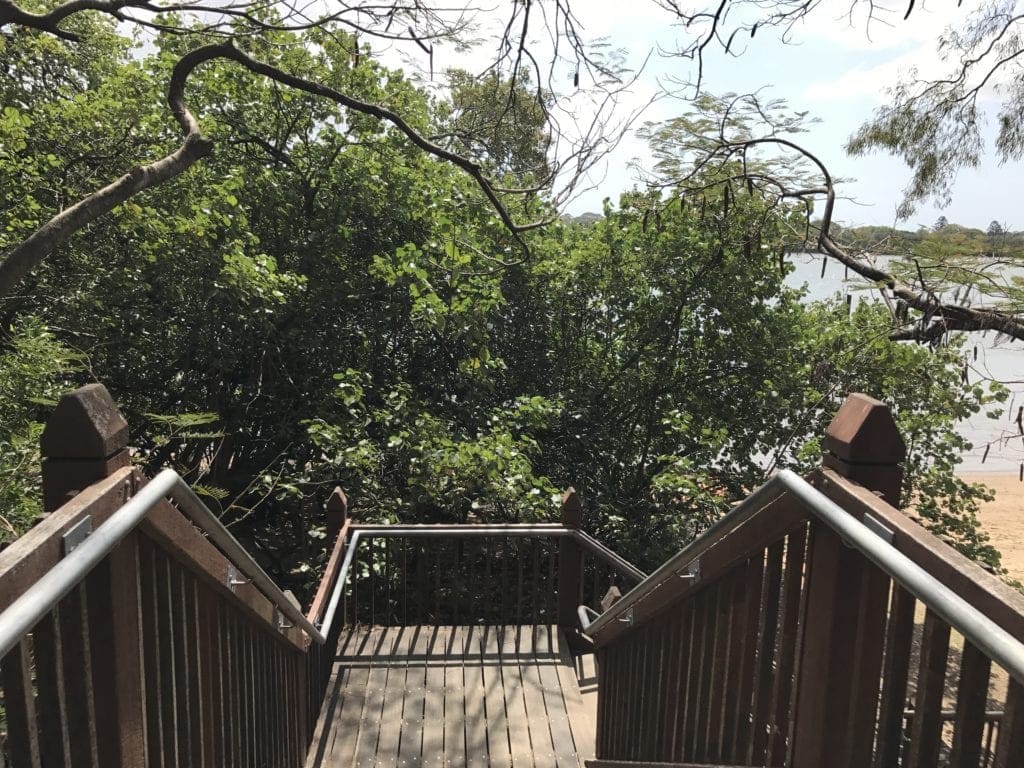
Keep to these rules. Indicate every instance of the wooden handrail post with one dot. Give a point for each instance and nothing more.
(570, 563)
(844, 626)
(85, 440)
(863, 444)
(337, 514)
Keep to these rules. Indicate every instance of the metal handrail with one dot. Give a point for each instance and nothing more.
(523, 530)
(616, 561)
(552, 530)
(25, 612)
(586, 615)
(998, 644)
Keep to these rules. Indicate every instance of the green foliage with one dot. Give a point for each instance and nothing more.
(319, 304)
(925, 389)
(504, 128)
(34, 370)
(933, 119)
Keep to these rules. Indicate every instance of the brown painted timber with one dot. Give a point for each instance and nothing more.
(989, 594)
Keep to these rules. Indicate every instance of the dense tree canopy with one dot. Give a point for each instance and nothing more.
(337, 292)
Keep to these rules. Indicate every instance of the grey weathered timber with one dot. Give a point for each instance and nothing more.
(469, 695)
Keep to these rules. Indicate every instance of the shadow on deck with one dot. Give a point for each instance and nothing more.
(454, 696)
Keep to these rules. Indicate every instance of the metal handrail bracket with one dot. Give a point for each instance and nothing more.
(25, 612)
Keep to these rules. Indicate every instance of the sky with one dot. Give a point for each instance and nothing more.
(834, 67)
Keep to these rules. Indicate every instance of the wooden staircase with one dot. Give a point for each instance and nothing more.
(815, 626)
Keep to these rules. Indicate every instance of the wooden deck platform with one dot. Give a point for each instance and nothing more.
(453, 696)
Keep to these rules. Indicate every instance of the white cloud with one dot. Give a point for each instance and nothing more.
(874, 81)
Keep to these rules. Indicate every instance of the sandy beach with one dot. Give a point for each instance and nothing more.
(1003, 518)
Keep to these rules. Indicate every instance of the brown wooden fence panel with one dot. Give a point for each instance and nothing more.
(698, 681)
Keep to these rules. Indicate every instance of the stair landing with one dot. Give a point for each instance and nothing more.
(453, 696)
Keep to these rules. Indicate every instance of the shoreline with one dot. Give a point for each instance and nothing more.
(1003, 518)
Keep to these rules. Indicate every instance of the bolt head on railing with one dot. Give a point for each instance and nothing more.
(85, 440)
(863, 444)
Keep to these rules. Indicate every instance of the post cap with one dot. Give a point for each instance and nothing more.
(337, 503)
(86, 424)
(572, 508)
(863, 431)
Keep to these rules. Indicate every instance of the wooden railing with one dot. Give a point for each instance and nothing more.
(514, 574)
(772, 642)
(162, 652)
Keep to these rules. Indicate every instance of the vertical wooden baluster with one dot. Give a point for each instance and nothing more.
(371, 553)
(195, 670)
(611, 675)
(534, 592)
(483, 601)
(1010, 742)
(616, 703)
(406, 543)
(926, 732)
(551, 587)
(971, 698)
(222, 653)
(252, 680)
(687, 636)
(873, 599)
(20, 707)
(421, 593)
(388, 613)
(636, 690)
(796, 545)
(720, 670)
(601, 660)
(753, 581)
(179, 661)
(263, 669)
(304, 716)
(703, 627)
(117, 658)
(283, 744)
(520, 613)
(663, 649)
(236, 694)
(503, 555)
(672, 657)
(707, 672)
(898, 638)
(644, 684)
(439, 547)
(75, 669)
(766, 653)
(205, 621)
(149, 604)
(258, 647)
(53, 736)
(167, 662)
(734, 663)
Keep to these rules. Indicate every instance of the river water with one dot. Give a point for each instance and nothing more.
(1001, 360)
